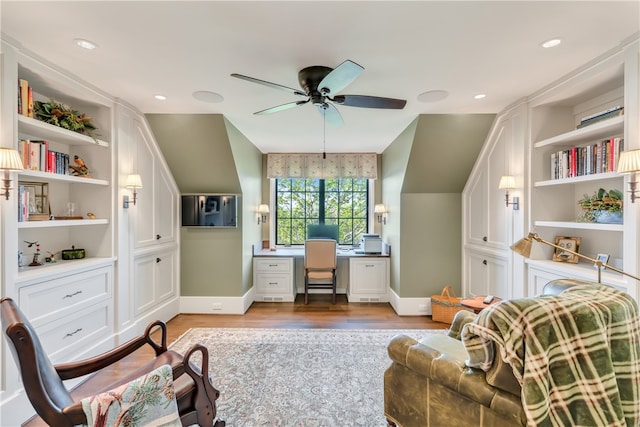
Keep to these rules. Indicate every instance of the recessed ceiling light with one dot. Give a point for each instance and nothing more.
(85, 44)
(551, 43)
(160, 97)
(479, 96)
(207, 96)
(433, 95)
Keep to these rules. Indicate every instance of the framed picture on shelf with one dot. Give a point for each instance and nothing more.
(35, 199)
(603, 258)
(567, 244)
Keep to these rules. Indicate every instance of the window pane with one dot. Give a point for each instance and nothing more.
(299, 201)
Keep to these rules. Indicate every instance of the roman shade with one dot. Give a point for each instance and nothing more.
(313, 165)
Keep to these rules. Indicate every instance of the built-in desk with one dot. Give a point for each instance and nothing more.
(278, 275)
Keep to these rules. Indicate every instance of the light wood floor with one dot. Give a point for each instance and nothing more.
(319, 313)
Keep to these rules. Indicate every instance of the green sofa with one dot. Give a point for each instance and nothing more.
(429, 383)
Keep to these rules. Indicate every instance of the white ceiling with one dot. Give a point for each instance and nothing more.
(175, 48)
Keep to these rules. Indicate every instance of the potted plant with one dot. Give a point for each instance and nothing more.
(603, 207)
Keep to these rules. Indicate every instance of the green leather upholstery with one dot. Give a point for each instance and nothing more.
(429, 385)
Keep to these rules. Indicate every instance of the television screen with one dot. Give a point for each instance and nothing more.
(209, 210)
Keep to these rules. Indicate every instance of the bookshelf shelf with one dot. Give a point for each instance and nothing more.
(603, 129)
(39, 176)
(580, 225)
(63, 223)
(36, 129)
(578, 179)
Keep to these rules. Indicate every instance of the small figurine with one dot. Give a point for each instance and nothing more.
(52, 257)
(80, 170)
(36, 255)
(91, 215)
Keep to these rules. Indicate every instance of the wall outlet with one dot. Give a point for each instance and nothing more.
(216, 306)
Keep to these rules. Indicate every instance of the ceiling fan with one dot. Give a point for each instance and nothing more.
(321, 84)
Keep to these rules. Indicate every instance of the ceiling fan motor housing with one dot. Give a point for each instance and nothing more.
(310, 78)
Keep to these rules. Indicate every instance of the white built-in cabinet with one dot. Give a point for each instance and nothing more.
(488, 224)
(368, 279)
(273, 279)
(520, 143)
(555, 114)
(130, 273)
(153, 224)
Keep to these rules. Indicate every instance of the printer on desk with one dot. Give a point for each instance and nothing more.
(371, 244)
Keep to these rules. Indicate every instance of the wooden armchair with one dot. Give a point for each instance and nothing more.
(43, 382)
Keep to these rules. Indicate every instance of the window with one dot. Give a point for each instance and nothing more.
(301, 201)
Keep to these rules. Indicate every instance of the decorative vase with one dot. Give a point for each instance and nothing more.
(609, 217)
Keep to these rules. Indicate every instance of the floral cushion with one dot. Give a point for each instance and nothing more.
(147, 401)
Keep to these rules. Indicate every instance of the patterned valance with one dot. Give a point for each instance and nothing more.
(312, 165)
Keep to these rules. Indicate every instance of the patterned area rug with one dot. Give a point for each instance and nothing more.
(298, 377)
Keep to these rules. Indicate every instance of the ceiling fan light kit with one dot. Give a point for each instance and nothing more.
(320, 84)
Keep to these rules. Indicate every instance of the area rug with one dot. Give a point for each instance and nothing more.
(298, 377)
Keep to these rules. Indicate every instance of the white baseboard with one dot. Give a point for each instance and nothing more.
(410, 306)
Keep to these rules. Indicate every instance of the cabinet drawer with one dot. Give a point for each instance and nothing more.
(44, 301)
(271, 283)
(86, 326)
(275, 265)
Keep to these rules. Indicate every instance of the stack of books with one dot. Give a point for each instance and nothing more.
(602, 115)
(600, 157)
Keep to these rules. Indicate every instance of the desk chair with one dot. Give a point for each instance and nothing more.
(320, 260)
(43, 382)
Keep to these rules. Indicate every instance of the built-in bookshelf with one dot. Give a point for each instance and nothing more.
(577, 130)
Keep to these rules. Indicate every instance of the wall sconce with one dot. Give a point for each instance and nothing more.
(263, 210)
(508, 182)
(133, 182)
(629, 163)
(9, 161)
(381, 213)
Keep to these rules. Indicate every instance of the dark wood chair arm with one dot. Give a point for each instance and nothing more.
(206, 394)
(88, 366)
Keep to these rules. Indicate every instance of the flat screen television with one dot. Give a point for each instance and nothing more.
(210, 210)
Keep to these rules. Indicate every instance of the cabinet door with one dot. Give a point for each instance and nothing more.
(165, 275)
(477, 208)
(143, 278)
(166, 211)
(157, 205)
(488, 275)
(368, 276)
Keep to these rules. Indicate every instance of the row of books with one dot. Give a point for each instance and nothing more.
(602, 115)
(25, 98)
(600, 157)
(37, 156)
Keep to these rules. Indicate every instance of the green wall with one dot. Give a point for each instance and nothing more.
(425, 170)
(206, 154)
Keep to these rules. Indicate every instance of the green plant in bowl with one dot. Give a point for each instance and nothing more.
(602, 206)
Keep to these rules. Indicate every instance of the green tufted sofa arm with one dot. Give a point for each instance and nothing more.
(428, 384)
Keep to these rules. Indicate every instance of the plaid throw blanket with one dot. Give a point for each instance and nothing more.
(576, 355)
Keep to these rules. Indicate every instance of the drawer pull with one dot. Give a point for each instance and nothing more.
(273, 265)
(71, 295)
(272, 283)
(369, 265)
(73, 333)
(158, 259)
(484, 261)
(158, 237)
(484, 239)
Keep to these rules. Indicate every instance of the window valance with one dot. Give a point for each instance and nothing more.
(312, 165)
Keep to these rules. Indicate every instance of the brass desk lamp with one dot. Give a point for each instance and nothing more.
(523, 247)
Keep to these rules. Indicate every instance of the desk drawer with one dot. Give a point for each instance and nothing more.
(44, 301)
(273, 283)
(273, 265)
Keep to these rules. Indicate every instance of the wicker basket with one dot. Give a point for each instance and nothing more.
(445, 306)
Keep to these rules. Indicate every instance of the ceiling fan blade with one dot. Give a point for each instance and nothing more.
(331, 114)
(272, 85)
(281, 107)
(340, 77)
(365, 101)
